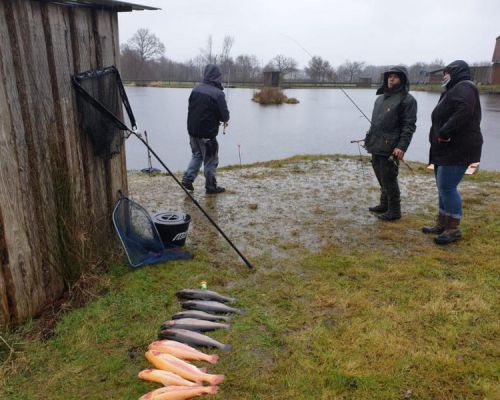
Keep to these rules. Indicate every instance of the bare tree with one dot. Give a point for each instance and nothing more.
(146, 44)
(207, 52)
(319, 70)
(225, 60)
(417, 73)
(227, 45)
(436, 64)
(131, 63)
(350, 70)
(246, 68)
(283, 64)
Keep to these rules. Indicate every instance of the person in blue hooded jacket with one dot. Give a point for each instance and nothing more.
(207, 109)
(392, 126)
(456, 141)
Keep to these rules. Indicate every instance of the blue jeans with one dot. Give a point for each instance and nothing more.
(447, 179)
(206, 152)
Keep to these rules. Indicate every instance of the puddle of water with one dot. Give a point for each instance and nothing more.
(301, 206)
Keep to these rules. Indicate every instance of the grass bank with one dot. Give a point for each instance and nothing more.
(341, 305)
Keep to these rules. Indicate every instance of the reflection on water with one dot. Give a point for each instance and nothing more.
(325, 121)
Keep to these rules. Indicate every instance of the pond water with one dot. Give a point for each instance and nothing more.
(324, 122)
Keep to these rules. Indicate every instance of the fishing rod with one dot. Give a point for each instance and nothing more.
(358, 142)
(250, 266)
(392, 157)
(343, 91)
(352, 101)
(355, 105)
(224, 124)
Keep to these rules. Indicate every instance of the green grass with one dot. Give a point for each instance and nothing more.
(342, 323)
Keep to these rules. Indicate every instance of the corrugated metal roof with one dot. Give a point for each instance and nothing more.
(113, 5)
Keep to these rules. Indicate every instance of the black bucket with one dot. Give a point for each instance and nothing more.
(172, 227)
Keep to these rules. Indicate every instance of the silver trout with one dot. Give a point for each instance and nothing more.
(210, 306)
(200, 315)
(192, 338)
(192, 324)
(196, 294)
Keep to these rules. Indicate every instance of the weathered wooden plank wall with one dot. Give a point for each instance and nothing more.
(41, 47)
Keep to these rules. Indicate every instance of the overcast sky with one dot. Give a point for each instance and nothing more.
(379, 32)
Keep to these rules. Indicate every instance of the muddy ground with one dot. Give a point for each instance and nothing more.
(283, 208)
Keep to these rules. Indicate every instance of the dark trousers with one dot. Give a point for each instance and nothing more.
(386, 172)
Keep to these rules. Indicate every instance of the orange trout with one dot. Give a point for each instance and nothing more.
(168, 362)
(178, 392)
(182, 351)
(164, 377)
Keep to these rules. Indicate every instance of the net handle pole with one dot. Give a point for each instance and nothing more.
(150, 164)
(248, 264)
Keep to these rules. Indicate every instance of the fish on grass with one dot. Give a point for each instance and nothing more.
(164, 377)
(196, 294)
(178, 392)
(192, 339)
(168, 362)
(182, 351)
(192, 324)
(200, 315)
(210, 306)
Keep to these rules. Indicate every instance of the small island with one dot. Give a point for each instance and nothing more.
(272, 95)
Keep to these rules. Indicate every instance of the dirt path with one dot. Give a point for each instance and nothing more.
(298, 205)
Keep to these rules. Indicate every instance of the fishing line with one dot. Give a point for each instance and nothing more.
(298, 44)
(343, 91)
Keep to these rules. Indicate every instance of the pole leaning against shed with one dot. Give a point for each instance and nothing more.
(122, 126)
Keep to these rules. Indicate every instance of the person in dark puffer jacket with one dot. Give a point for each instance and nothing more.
(456, 142)
(207, 109)
(392, 127)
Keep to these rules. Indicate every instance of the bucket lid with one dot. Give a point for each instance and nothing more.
(170, 217)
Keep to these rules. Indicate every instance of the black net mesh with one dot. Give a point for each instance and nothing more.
(139, 236)
(99, 97)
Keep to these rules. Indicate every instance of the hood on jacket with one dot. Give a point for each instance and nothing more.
(212, 75)
(402, 72)
(459, 71)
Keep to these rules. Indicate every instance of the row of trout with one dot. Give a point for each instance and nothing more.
(171, 355)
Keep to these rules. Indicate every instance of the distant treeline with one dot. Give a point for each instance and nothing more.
(143, 58)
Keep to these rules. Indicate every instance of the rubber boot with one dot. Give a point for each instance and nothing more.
(215, 190)
(439, 227)
(451, 233)
(188, 185)
(382, 206)
(393, 212)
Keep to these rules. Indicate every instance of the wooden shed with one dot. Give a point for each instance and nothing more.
(271, 78)
(56, 196)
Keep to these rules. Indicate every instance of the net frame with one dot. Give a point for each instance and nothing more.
(142, 244)
(99, 93)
